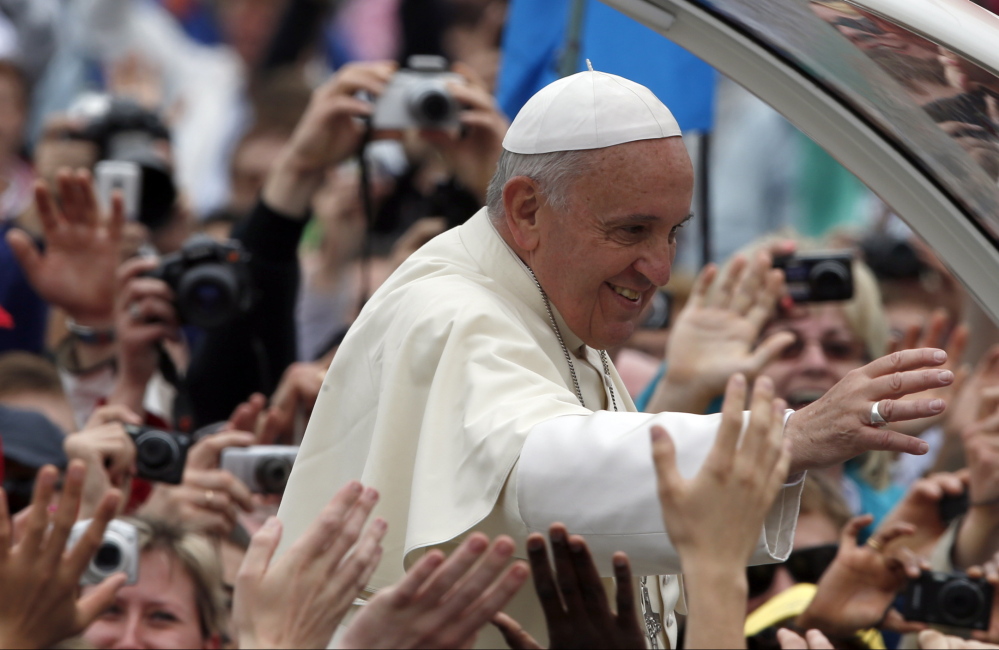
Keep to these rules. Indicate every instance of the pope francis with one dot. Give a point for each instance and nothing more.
(474, 393)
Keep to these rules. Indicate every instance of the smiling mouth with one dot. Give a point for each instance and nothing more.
(630, 294)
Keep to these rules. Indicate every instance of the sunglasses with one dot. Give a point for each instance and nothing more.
(833, 349)
(805, 565)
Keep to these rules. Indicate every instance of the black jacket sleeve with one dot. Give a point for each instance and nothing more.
(250, 354)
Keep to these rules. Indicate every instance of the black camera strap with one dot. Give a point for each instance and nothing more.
(183, 407)
(367, 202)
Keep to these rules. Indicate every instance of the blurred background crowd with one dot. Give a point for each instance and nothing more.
(181, 255)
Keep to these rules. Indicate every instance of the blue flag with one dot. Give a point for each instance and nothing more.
(534, 40)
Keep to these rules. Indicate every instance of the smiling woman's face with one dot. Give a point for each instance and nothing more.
(824, 350)
(601, 260)
(159, 611)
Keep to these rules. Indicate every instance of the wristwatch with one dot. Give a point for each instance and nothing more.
(90, 335)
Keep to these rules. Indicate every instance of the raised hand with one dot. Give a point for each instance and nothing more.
(977, 540)
(932, 336)
(208, 499)
(298, 600)
(39, 606)
(837, 426)
(717, 334)
(715, 518)
(857, 589)
(109, 455)
(76, 272)
(920, 508)
(144, 317)
(573, 598)
(327, 134)
(471, 153)
(972, 403)
(440, 603)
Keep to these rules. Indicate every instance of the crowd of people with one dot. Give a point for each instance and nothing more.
(195, 210)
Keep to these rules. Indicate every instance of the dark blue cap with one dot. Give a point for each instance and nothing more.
(30, 438)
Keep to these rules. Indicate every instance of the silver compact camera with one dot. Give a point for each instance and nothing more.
(417, 96)
(263, 468)
(119, 551)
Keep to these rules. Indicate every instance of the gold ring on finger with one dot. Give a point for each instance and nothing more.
(875, 544)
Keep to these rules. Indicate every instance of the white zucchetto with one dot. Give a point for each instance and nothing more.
(589, 110)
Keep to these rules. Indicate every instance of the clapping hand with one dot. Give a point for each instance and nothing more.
(573, 598)
(440, 603)
(298, 600)
(39, 606)
(716, 334)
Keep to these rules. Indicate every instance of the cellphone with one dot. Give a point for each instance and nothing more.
(121, 175)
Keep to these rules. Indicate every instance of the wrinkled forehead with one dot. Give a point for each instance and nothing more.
(812, 320)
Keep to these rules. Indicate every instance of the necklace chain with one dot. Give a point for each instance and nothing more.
(568, 358)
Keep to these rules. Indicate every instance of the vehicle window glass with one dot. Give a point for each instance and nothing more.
(940, 110)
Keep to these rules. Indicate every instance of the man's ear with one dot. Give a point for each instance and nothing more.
(521, 202)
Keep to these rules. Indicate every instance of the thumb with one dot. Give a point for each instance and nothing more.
(258, 555)
(664, 458)
(27, 254)
(515, 636)
(96, 602)
(769, 350)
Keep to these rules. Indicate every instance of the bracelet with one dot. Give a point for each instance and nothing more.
(90, 335)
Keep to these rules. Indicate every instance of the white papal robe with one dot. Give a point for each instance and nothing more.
(452, 396)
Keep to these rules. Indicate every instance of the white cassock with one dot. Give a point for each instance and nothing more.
(452, 396)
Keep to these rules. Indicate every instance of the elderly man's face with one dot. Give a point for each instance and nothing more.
(601, 261)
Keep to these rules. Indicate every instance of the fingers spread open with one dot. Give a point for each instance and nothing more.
(723, 452)
(38, 520)
(65, 514)
(664, 457)
(588, 579)
(79, 556)
(341, 541)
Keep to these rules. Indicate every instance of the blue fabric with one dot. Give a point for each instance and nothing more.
(29, 312)
(533, 41)
(873, 502)
(645, 397)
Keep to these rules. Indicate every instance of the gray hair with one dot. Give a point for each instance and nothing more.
(554, 172)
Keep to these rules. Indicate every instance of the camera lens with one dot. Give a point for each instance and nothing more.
(431, 106)
(272, 474)
(960, 602)
(207, 295)
(108, 557)
(155, 450)
(831, 281)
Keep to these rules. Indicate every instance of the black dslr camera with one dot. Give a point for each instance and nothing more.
(818, 277)
(159, 455)
(948, 599)
(210, 280)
